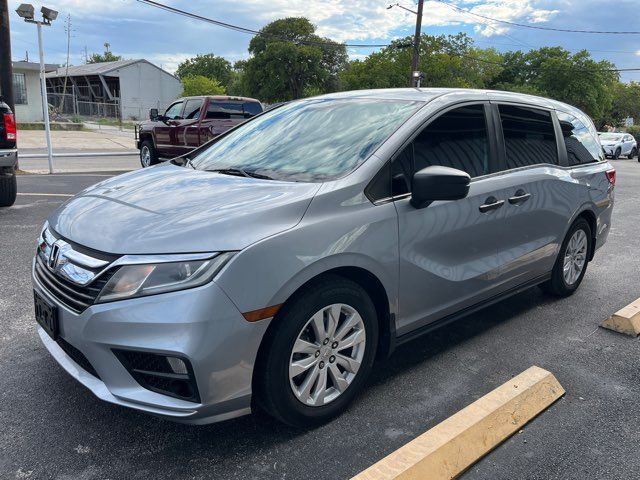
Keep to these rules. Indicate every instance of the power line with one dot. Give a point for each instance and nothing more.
(522, 44)
(250, 31)
(548, 67)
(332, 44)
(537, 27)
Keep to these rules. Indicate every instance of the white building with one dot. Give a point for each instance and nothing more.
(126, 89)
(26, 91)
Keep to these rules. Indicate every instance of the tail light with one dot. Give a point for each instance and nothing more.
(611, 176)
(10, 126)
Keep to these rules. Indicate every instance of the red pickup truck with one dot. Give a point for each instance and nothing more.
(188, 123)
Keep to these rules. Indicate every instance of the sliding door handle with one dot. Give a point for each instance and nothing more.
(490, 204)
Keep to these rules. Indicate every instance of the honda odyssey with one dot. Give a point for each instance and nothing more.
(271, 266)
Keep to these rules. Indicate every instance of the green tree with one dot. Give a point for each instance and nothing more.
(201, 85)
(288, 58)
(209, 65)
(107, 56)
(236, 84)
(625, 103)
(554, 72)
(447, 61)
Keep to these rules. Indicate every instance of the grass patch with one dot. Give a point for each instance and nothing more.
(114, 122)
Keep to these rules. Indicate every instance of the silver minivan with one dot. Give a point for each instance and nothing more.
(270, 267)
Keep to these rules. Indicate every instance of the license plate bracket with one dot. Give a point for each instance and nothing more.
(46, 315)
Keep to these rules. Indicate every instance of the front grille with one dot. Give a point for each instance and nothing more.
(76, 297)
(77, 356)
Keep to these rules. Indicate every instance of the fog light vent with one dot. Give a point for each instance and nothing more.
(177, 365)
(166, 374)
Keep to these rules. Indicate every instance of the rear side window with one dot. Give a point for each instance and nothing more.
(529, 137)
(192, 109)
(251, 108)
(225, 110)
(580, 142)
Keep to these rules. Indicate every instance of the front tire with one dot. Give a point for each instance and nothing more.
(8, 188)
(571, 264)
(319, 353)
(148, 154)
(617, 153)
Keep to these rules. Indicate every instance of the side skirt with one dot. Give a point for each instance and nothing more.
(407, 337)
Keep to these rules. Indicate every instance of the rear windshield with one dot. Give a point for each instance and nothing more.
(308, 140)
(231, 109)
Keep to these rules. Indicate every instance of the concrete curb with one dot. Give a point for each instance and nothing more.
(79, 154)
(451, 447)
(626, 320)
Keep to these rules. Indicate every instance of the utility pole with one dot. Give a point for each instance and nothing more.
(415, 74)
(6, 71)
(66, 73)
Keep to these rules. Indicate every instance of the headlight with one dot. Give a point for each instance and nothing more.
(131, 281)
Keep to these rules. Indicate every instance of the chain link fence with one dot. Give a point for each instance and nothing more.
(66, 106)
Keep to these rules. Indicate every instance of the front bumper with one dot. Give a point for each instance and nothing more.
(8, 158)
(609, 150)
(201, 324)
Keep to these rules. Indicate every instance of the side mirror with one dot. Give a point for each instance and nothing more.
(438, 183)
(153, 114)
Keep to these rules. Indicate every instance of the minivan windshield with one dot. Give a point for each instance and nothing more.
(308, 140)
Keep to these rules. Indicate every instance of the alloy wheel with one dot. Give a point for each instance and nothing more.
(327, 354)
(575, 257)
(145, 155)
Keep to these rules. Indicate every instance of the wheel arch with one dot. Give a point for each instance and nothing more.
(592, 220)
(143, 136)
(368, 282)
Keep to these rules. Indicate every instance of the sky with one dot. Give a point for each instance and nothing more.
(136, 30)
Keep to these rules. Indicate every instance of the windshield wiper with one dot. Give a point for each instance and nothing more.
(239, 172)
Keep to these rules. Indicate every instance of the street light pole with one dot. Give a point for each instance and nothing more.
(45, 101)
(415, 74)
(26, 11)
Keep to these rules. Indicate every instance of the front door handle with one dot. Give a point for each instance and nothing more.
(520, 197)
(491, 203)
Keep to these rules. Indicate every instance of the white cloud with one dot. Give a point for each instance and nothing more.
(349, 20)
(131, 26)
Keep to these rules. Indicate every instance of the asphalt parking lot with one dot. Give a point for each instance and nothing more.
(52, 427)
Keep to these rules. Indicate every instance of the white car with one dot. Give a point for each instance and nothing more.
(617, 144)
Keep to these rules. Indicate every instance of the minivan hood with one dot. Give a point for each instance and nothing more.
(171, 209)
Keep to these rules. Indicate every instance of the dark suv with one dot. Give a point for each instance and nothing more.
(188, 123)
(8, 156)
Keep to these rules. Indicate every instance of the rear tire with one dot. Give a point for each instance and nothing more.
(282, 372)
(565, 281)
(148, 154)
(633, 153)
(8, 189)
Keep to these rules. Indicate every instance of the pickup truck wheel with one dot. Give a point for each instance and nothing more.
(148, 154)
(8, 189)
